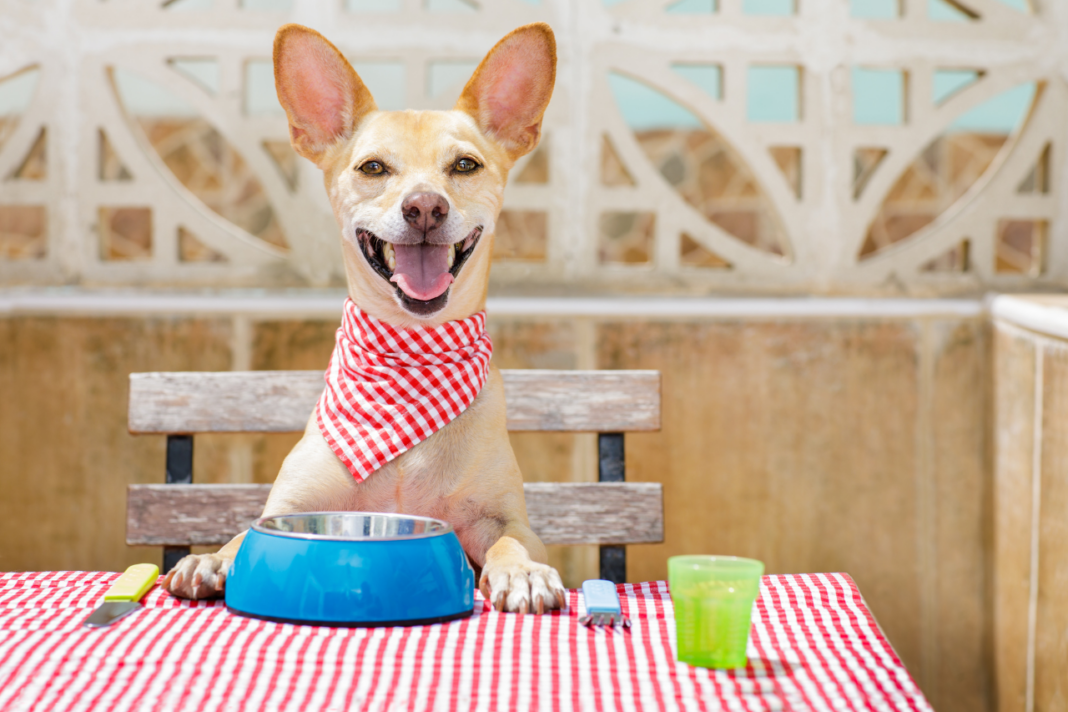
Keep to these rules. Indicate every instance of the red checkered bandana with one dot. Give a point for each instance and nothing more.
(388, 389)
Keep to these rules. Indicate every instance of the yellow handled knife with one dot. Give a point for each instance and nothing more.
(122, 598)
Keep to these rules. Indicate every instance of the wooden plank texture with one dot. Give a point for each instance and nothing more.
(224, 401)
(582, 401)
(281, 401)
(560, 513)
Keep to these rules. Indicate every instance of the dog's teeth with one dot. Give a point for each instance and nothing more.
(390, 255)
(452, 255)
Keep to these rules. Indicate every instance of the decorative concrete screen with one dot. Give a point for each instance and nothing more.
(757, 146)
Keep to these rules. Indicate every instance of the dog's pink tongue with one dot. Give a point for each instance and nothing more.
(422, 270)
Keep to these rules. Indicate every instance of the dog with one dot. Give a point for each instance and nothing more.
(420, 188)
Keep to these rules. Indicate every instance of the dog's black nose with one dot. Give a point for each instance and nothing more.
(425, 211)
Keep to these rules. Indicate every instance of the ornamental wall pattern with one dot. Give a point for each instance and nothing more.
(690, 147)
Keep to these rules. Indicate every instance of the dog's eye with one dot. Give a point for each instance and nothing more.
(372, 168)
(465, 165)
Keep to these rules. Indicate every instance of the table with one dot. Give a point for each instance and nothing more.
(814, 646)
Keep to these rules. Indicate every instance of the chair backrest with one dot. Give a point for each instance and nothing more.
(610, 513)
(190, 402)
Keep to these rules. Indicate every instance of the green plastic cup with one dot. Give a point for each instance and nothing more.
(713, 597)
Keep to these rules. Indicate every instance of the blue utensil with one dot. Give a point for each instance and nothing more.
(351, 569)
(602, 604)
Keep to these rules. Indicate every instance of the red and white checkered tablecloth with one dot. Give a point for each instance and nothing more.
(814, 646)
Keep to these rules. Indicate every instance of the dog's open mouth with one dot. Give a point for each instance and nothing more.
(421, 273)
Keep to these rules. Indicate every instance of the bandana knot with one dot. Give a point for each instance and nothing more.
(388, 389)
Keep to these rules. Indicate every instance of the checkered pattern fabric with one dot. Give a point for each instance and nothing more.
(814, 645)
(388, 389)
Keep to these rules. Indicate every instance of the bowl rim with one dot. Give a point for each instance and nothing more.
(258, 526)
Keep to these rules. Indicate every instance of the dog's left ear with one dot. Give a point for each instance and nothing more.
(512, 86)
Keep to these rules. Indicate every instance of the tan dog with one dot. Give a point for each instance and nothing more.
(424, 186)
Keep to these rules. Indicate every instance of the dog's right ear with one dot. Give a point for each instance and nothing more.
(323, 97)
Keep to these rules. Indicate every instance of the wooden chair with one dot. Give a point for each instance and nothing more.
(179, 514)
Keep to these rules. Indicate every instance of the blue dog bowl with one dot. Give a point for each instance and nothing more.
(351, 569)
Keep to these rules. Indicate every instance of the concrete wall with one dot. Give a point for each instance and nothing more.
(1031, 504)
(820, 439)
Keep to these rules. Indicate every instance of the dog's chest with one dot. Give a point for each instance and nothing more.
(409, 484)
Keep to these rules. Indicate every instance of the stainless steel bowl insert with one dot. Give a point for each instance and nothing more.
(351, 526)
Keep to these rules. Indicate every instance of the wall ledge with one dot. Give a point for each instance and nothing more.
(1043, 314)
(327, 304)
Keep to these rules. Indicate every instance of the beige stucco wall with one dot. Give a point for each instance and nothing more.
(1030, 532)
(821, 443)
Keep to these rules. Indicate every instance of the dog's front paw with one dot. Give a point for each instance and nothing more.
(198, 576)
(522, 587)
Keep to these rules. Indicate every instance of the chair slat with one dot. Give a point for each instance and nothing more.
(281, 401)
(560, 513)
